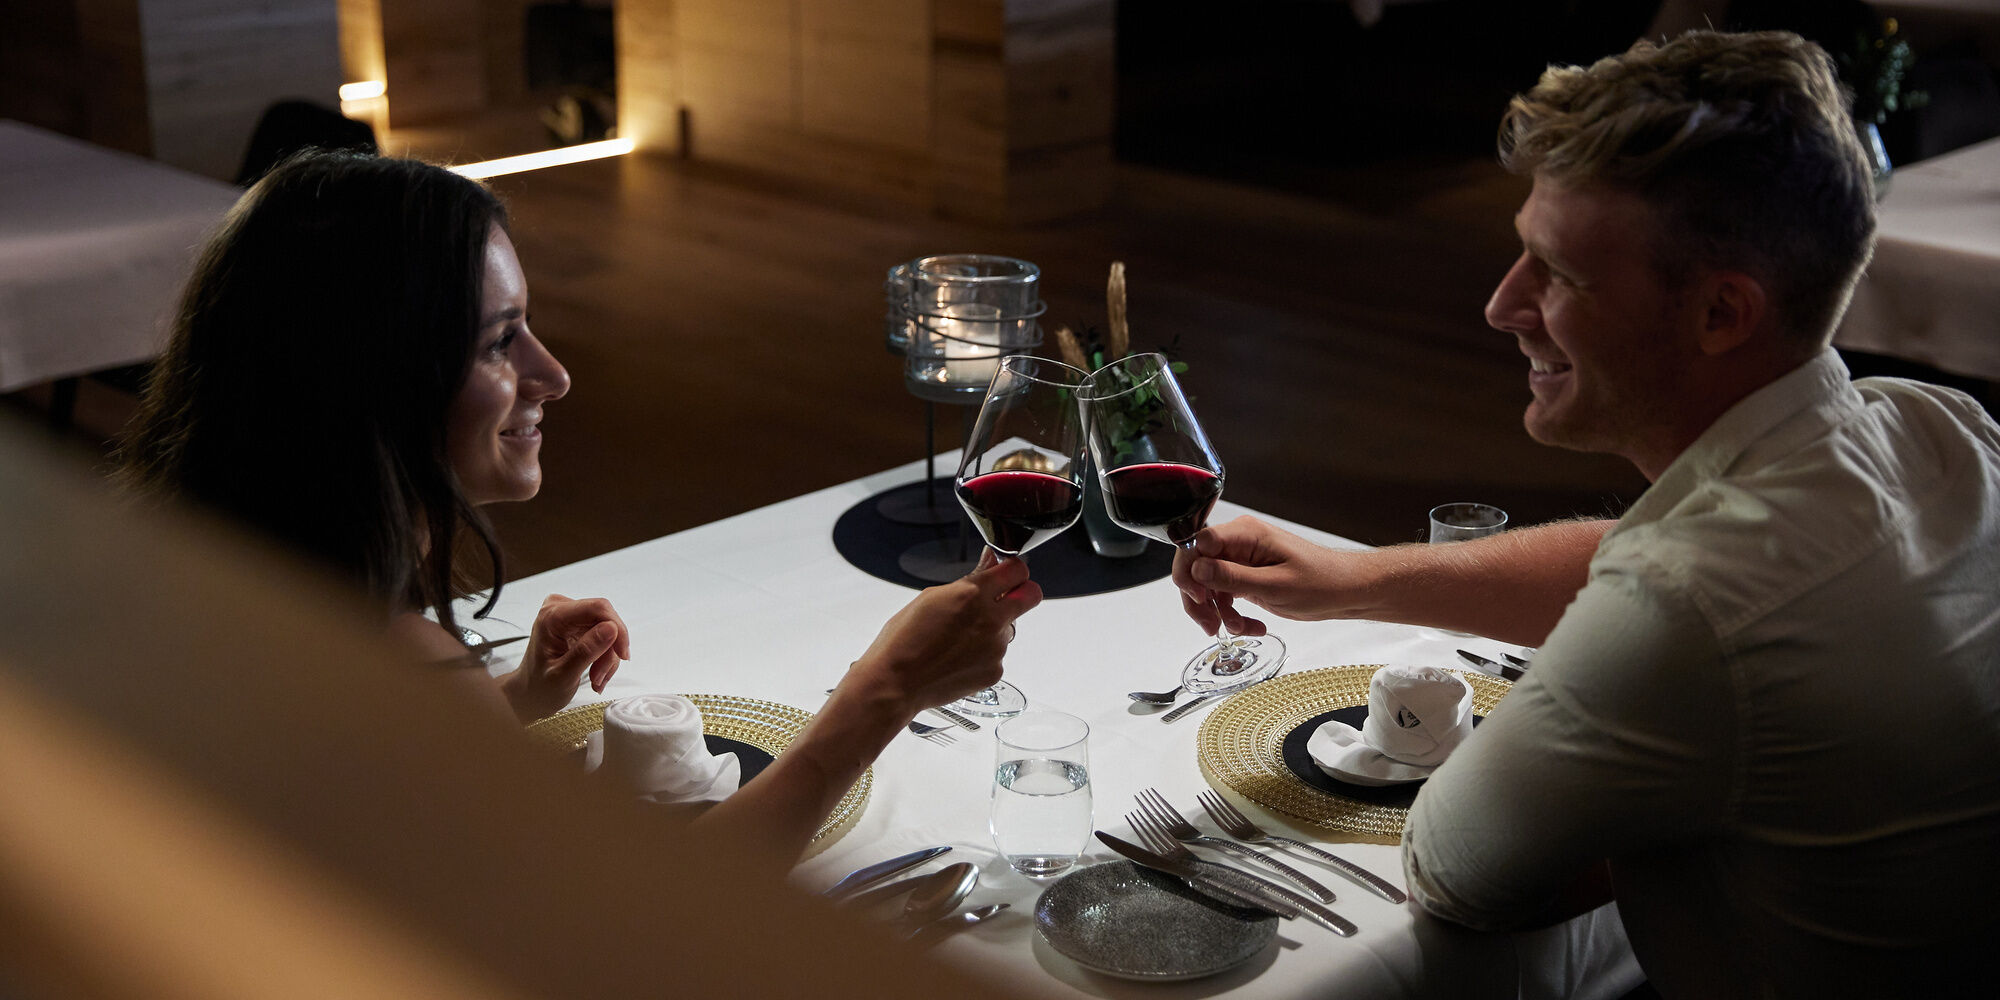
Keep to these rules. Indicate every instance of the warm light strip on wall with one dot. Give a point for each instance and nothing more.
(363, 90)
(545, 158)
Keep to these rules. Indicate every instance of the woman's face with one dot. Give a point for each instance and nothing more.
(493, 437)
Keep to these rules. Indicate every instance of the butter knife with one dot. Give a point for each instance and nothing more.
(862, 878)
(1186, 872)
(1491, 667)
(1179, 713)
(959, 720)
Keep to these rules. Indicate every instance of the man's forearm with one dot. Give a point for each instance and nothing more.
(1512, 586)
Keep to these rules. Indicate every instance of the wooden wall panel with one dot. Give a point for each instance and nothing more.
(865, 72)
(649, 98)
(436, 59)
(739, 63)
(213, 66)
(998, 110)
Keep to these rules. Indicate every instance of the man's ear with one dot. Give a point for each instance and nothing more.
(1733, 306)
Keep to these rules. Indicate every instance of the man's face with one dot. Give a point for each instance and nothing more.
(1608, 343)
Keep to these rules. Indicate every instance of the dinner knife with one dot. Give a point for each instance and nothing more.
(959, 720)
(862, 878)
(1260, 887)
(1179, 713)
(1491, 667)
(1187, 872)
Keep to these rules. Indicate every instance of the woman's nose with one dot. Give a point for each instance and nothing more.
(543, 375)
(1512, 308)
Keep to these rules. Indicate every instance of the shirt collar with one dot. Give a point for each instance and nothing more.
(1821, 385)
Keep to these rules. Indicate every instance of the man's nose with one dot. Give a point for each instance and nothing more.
(1513, 308)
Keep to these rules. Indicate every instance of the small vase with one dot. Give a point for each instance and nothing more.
(1107, 539)
(1878, 158)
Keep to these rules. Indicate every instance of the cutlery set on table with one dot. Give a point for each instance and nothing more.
(1126, 923)
(932, 898)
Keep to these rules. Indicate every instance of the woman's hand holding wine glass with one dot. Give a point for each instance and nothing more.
(1021, 477)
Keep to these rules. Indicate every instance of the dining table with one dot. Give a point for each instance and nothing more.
(95, 245)
(1932, 292)
(762, 605)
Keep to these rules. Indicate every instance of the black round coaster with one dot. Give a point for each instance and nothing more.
(1065, 566)
(1300, 763)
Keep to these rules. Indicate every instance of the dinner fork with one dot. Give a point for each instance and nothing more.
(1155, 838)
(940, 735)
(1170, 819)
(1233, 822)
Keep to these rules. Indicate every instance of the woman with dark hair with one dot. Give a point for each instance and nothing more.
(352, 373)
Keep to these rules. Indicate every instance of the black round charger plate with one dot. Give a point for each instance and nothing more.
(751, 760)
(1135, 923)
(1300, 763)
(1065, 565)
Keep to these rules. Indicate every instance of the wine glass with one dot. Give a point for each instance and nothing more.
(1161, 477)
(1021, 479)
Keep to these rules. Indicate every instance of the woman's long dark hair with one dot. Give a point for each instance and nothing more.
(325, 331)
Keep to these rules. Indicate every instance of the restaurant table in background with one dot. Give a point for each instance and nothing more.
(762, 606)
(95, 245)
(1932, 293)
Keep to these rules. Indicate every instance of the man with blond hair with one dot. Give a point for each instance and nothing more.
(1765, 715)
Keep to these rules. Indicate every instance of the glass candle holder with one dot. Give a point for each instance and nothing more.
(967, 311)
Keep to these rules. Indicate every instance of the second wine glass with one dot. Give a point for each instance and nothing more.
(1161, 478)
(1021, 478)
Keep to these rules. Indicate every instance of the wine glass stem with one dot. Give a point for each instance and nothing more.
(1222, 633)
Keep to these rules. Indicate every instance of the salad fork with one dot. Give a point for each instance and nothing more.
(1156, 839)
(1170, 819)
(1233, 822)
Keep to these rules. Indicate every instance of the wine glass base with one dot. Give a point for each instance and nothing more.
(1235, 664)
(1000, 700)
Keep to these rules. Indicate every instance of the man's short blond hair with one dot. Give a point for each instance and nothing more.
(1742, 143)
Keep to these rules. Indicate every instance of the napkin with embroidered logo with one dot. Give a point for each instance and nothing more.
(1416, 717)
(652, 744)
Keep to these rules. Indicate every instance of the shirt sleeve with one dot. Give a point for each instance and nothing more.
(1618, 740)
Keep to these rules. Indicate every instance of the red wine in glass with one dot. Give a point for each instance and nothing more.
(1164, 500)
(1020, 478)
(1161, 478)
(1017, 511)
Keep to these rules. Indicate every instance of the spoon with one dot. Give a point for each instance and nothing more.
(1156, 697)
(938, 895)
(966, 919)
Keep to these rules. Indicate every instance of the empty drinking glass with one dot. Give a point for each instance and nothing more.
(1456, 522)
(1041, 792)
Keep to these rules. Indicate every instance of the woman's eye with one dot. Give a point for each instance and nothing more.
(500, 344)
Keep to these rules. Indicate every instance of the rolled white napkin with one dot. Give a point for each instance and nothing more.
(1416, 717)
(652, 744)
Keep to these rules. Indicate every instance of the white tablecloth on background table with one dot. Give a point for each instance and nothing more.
(761, 605)
(94, 248)
(1932, 293)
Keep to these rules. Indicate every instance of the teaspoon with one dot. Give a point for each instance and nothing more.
(1156, 697)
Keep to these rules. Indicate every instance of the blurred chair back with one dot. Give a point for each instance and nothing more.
(289, 126)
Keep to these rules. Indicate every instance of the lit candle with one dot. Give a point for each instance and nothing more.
(971, 343)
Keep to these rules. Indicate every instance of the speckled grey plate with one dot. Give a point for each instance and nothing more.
(1123, 920)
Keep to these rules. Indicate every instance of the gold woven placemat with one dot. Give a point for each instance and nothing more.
(766, 725)
(1241, 746)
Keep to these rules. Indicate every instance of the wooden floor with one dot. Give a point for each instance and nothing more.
(725, 341)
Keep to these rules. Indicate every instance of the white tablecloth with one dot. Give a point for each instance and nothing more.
(1932, 294)
(761, 605)
(94, 247)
